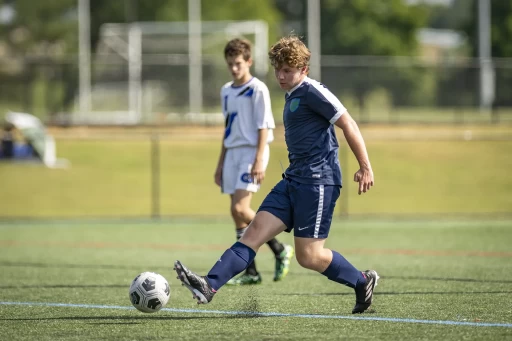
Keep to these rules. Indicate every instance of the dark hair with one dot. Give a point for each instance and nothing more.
(236, 47)
(8, 126)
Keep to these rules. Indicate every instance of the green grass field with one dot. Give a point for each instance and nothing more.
(418, 171)
(440, 281)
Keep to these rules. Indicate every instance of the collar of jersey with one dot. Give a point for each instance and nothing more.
(297, 86)
(239, 86)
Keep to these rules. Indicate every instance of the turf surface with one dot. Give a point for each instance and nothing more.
(441, 280)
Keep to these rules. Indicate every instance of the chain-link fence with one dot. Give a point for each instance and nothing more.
(375, 89)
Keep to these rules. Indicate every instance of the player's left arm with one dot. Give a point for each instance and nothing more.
(364, 176)
(324, 103)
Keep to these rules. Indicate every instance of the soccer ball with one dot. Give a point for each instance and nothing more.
(149, 292)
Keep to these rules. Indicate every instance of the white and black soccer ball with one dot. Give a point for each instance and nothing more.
(149, 292)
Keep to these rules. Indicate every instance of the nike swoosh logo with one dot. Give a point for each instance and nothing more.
(302, 228)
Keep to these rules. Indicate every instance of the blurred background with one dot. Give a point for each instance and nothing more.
(124, 116)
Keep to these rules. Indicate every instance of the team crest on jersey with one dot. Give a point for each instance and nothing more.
(294, 104)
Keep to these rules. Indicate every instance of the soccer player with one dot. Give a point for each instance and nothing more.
(304, 200)
(245, 151)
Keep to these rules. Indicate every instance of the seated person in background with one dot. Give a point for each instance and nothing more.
(11, 149)
(7, 144)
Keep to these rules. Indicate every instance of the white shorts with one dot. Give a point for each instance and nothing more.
(236, 172)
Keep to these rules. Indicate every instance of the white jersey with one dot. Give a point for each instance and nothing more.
(246, 109)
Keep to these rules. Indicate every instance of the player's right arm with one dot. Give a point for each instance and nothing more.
(263, 121)
(220, 165)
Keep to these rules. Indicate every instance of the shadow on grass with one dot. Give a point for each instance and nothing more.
(301, 274)
(137, 319)
(426, 278)
(112, 318)
(63, 286)
(401, 293)
(71, 266)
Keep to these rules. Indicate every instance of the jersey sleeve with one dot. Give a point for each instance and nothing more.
(262, 108)
(324, 103)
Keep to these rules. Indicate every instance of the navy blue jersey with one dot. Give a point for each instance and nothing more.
(309, 113)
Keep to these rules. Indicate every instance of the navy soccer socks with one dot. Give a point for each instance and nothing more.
(341, 271)
(231, 263)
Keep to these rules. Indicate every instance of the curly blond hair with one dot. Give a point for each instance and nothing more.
(290, 50)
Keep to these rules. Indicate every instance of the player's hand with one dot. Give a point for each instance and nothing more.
(218, 176)
(257, 172)
(364, 176)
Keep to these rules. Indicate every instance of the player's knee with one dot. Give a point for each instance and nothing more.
(238, 210)
(252, 238)
(306, 260)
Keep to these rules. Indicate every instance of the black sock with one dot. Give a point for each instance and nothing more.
(251, 269)
(275, 246)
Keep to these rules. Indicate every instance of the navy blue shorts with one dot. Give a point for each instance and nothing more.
(306, 209)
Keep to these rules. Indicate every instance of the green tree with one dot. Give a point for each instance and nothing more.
(37, 25)
(450, 17)
(177, 10)
(501, 45)
(35, 30)
(366, 27)
(501, 28)
(373, 28)
(48, 22)
(50, 27)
